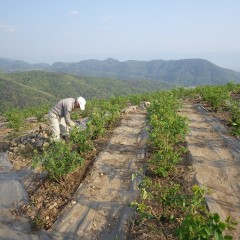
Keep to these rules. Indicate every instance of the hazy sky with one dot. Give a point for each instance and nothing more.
(74, 30)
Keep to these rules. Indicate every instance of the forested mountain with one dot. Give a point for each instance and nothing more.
(186, 72)
(189, 72)
(32, 88)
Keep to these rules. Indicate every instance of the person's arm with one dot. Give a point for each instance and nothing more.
(68, 120)
(67, 108)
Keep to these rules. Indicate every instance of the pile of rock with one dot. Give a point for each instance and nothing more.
(37, 139)
(22, 147)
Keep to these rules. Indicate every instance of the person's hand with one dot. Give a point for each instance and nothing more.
(77, 124)
(77, 121)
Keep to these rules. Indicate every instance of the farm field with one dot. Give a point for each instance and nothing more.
(137, 171)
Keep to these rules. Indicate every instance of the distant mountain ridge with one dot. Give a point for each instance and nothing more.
(184, 72)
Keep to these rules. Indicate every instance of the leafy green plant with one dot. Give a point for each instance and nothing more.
(40, 112)
(216, 96)
(15, 118)
(79, 137)
(95, 125)
(59, 160)
(202, 227)
(235, 117)
(38, 222)
(163, 161)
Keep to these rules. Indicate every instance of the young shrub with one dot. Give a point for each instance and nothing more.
(59, 160)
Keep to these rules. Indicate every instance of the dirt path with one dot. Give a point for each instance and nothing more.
(216, 161)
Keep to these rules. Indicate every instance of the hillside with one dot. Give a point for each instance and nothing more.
(185, 72)
(31, 88)
(16, 94)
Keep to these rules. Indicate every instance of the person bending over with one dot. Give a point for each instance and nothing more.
(59, 116)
